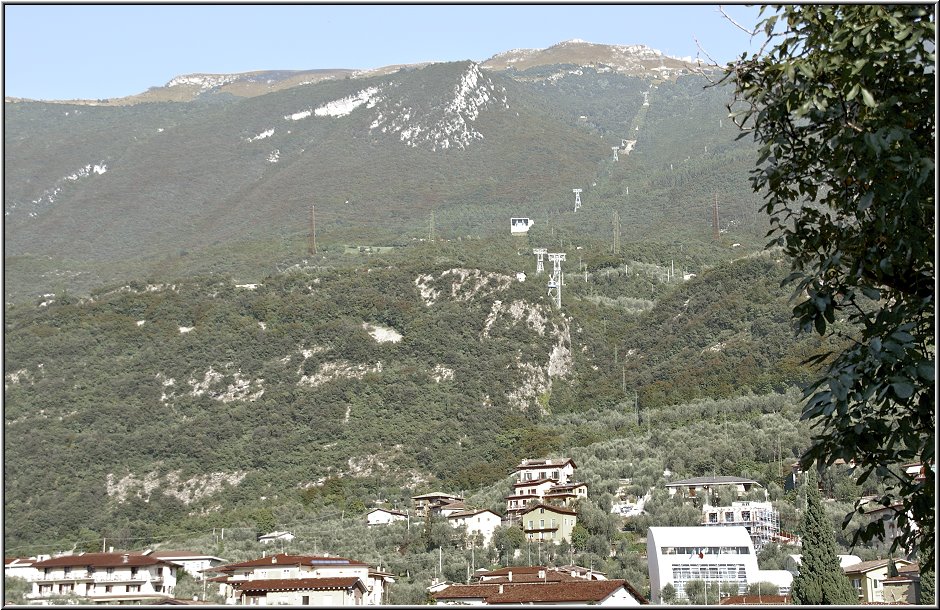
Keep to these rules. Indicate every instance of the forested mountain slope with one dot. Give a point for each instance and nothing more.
(174, 404)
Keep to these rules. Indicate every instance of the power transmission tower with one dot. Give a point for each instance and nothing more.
(539, 253)
(555, 281)
(577, 199)
(312, 241)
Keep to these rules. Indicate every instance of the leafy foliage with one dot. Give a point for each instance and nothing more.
(841, 105)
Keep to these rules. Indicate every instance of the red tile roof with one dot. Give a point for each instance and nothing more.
(549, 463)
(103, 560)
(299, 584)
(541, 481)
(557, 509)
(755, 600)
(282, 559)
(572, 591)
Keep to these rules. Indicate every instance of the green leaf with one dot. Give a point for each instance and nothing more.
(902, 389)
(867, 98)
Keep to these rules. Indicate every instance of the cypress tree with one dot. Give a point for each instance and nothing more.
(821, 580)
(928, 587)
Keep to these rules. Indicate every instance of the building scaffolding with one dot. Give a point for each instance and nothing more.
(760, 519)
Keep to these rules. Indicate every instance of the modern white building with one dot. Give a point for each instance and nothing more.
(714, 555)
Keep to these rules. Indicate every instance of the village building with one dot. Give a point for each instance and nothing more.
(548, 480)
(868, 578)
(554, 588)
(480, 524)
(432, 502)
(104, 578)
(302, 580)
(195, 564)
(705, 487)
(20, 567)
(547, 523)
(384, 516)
(275, 537)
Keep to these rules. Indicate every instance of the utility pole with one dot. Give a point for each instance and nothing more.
(616, 223)
(312, 244)
(715, 219)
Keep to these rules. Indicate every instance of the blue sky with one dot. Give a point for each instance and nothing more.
(100, 51)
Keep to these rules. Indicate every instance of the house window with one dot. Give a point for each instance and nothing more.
(108, 588)
(305, 600)
(713, 517)
(45, 589)
(729, 517)
(67, 571)
(541, 523)
(133, 572)
(531, 524)
(746, 515)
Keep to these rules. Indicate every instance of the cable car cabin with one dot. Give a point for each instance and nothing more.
(518, 226)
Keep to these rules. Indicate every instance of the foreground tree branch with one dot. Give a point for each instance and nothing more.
(842, 106)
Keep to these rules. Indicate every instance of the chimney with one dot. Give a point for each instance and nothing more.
(510, 578)
(125, 558)
(110, 549)
(500, 589)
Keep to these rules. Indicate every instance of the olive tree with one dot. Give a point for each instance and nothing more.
(841, 102)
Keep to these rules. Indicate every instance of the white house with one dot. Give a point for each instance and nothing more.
(715, 555)
(289, 579)
(275, 536)
(483, 522)
(104, 577)
(384, 516)
(21, 567)
(548, 480)
(193, 563)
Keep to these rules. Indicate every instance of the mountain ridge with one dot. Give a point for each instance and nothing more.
(625, 59)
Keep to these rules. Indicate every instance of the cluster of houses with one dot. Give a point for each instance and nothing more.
(723, 549)
(543, 493)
